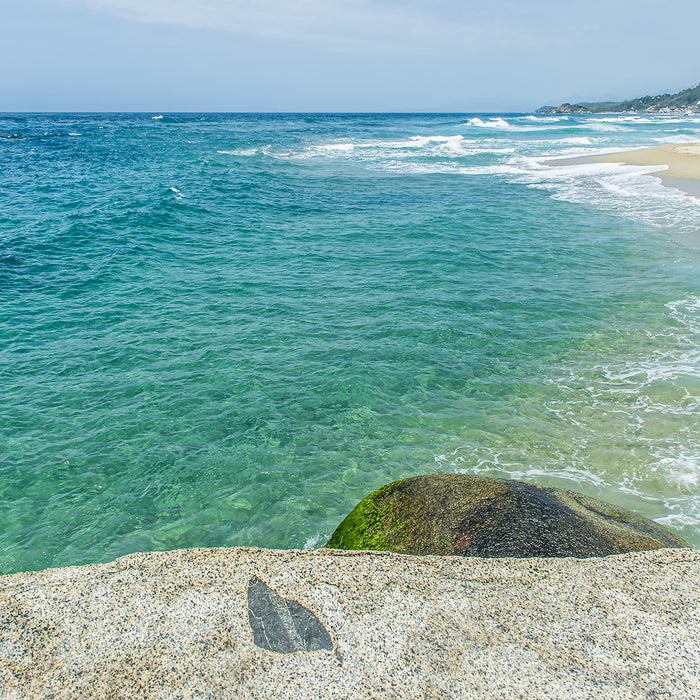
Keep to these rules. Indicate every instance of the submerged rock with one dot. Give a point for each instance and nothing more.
(477, 516)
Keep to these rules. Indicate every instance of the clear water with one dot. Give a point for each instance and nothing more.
(222, 330)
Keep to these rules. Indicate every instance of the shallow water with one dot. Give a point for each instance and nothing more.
(223, 330)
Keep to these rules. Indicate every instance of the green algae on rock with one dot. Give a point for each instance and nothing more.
(465, 515)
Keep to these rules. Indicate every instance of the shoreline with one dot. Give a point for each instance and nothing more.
(678, 164)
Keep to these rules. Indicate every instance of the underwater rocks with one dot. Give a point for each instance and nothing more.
(465, 515)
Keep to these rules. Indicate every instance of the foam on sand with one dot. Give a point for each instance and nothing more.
(679, 163)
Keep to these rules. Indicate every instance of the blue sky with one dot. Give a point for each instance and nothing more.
(340, 55)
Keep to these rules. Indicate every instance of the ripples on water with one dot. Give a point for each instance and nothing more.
(226, 329)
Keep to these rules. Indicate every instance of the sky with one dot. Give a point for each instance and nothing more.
(341, 55)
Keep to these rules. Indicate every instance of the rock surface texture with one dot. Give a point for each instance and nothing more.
(253, 623)
(460, 514)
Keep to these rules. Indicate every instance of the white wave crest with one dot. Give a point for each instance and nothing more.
(240, 152)
(627, 190)
(491, 123)
(379, 152)
(545, 120)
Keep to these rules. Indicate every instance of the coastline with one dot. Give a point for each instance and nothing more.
(678, 163)
(353, 625)
(413, 317)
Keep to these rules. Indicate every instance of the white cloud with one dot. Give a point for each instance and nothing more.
(472, 31)
(377, 25)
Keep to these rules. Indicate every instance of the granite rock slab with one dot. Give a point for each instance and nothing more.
(256, 623)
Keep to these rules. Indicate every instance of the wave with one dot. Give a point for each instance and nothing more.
(381, 152)
(492, 123)
(531, 123)
(549, 119)
(241, 152)
(624, 189)
(414, 142)
(342, 147)
(167, 119)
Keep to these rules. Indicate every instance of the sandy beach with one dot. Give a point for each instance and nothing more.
(679, 163)
(681, 160)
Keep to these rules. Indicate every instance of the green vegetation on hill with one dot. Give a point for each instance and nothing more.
(687, 100)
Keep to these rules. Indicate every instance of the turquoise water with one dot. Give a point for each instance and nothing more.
(222, 330)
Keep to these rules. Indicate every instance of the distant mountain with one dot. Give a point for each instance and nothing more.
(685, 101)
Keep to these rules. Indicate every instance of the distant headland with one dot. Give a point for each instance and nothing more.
(686, 101)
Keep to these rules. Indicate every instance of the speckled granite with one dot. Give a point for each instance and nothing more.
(202, 623)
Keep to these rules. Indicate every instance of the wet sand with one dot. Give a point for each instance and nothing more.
(678, 163)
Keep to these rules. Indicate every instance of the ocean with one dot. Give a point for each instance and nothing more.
(227, 329)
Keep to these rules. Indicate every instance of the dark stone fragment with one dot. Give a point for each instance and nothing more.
(467, 515)
(283, 625)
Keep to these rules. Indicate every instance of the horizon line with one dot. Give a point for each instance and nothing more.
(156, 112)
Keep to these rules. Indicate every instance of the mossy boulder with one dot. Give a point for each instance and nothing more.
(477, 516)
